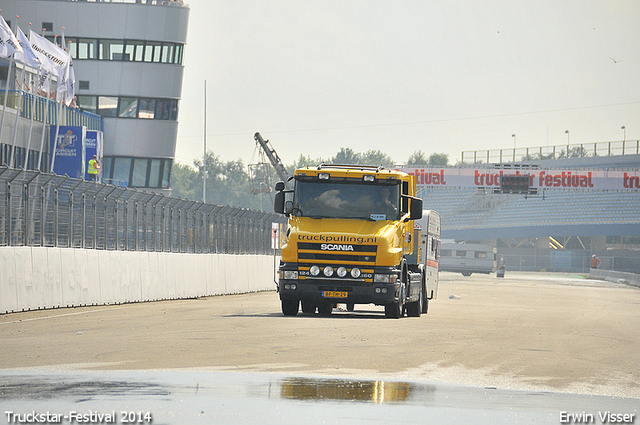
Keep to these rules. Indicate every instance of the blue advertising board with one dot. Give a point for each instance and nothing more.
(93, 146)
(67, 152)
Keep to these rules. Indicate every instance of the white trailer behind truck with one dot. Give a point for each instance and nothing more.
(467, 258)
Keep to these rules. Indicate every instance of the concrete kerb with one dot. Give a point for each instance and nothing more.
(615, 277)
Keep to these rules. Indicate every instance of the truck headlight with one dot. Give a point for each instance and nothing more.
(342, 271)
(384, 278)
(355, 272)
(328, 271)
(290, 274)
(314, 270)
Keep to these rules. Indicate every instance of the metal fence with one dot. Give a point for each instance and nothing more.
(576, 150)
(41, 209)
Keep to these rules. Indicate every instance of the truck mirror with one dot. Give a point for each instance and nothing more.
(416, 209)
(278, 202)
(288, 207)
(279, 186)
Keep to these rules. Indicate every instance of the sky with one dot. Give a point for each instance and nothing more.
(439, 76)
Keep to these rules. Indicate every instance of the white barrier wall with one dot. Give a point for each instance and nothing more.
(37, 277)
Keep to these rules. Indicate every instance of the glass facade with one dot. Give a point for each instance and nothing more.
(130, 107)
(137, 172)
(103, 49)
(20, 155)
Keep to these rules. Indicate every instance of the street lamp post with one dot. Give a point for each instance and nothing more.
(568, 141)
(514, 147)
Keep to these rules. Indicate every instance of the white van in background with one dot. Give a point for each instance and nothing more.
(468, 258)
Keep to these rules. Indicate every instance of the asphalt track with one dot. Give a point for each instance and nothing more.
(526, 347)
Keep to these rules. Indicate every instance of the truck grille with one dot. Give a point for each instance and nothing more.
(342, 253)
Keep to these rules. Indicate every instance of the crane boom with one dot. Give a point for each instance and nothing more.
(273, 157)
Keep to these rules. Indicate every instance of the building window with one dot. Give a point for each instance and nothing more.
(107, 106)
(179, 48)
(140, 166)
(154, 173)
(112, 50)
(129, 51)
(47, 26)
(121, 171)
(87, 103)
(124, 50)
(147, 108)
(137, 172)
(128, 107)
(87, 48)
(83, 85)
(166, 173)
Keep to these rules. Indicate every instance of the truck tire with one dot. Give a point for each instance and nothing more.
(308, 307)
(290, 307)
(395, 310)
(414, 309)
(325, 309)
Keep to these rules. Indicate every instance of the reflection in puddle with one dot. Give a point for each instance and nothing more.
(197, 397)
(347, 390)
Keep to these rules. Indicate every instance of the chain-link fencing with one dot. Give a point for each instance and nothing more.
(41, 209)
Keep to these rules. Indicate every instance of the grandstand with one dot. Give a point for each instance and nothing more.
(557, 228)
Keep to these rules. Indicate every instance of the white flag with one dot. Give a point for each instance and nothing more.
(65, 85)
(53, 58)
(8, 42)
(27, 56)
(70, 76)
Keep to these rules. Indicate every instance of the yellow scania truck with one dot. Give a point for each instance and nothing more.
(356, 235)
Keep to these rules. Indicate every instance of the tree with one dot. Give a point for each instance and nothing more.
(439, 159)
(346, 156)
(305, 161)
(184, 181)
(418, 158)
(375, 157)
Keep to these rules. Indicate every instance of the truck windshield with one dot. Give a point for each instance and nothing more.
(319, 199)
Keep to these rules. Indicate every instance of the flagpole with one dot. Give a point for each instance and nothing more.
(33, 113)
(204, 158)
(6, 95)
(55, 139)
(44, 124)
(15, 128)
(59, 112)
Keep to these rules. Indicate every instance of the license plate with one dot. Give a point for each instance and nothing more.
(334, 294)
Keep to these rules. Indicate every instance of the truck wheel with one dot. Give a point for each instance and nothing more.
(290, 307)
(395, 310)
(308, 307)
(414, 309)
(325, 309)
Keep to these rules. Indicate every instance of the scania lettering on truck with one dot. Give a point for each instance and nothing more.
(356, 235)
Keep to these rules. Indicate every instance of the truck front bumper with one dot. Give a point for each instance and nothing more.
(324, 291)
